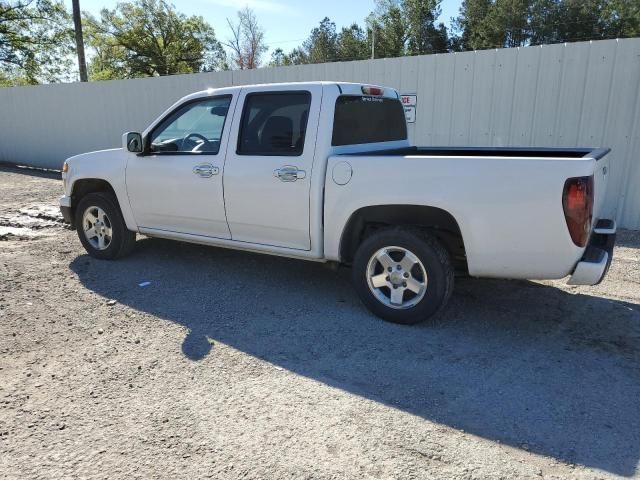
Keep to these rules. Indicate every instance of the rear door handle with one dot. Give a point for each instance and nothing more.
(205, 170)
(289, 173)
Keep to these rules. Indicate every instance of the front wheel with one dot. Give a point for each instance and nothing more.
(101, 228)
(402, 275)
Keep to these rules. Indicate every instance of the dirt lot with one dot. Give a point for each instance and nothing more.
(234, 365)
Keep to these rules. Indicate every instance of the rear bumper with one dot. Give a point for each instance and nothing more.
(595, 262)
(65, 209)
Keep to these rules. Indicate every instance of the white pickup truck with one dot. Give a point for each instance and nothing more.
(324, 171)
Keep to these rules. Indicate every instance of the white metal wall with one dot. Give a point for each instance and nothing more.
(580, 94)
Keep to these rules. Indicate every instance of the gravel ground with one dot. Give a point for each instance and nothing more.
(235, 365)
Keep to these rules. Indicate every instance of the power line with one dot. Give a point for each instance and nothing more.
(287, 41)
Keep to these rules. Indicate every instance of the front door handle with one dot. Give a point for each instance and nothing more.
(205, 170)
(289, 173)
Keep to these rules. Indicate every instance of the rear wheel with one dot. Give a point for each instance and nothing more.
(101, 228)
(402, 275)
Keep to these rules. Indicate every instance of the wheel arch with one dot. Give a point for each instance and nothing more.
(440, 223)
(83, 186)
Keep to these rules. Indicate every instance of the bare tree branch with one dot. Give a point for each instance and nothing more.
(247, 43)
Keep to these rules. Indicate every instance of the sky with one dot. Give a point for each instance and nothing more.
(287, 23)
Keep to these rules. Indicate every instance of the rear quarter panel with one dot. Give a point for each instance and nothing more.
(509, 209)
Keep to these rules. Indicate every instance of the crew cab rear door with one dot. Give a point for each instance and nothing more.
(268, 166)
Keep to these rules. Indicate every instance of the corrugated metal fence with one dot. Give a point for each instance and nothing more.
(580, 94)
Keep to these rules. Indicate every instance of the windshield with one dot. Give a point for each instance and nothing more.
(363, 119)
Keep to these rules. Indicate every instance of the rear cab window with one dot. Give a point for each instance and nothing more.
(367, 119)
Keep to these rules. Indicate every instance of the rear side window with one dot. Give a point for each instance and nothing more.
(274, 123)
(361, 119)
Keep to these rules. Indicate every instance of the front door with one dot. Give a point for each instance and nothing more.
(177, 185)
(268, 169)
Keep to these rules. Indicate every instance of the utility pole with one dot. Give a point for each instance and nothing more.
(77, 23)
(373, 42)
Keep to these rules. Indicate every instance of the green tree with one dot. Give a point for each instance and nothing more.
(322, 44)
(297, 56)
(352, 43)
(493, 23)
(395, 28)
(278, 58)
(509, 23)
(389, 31)
(576, 20)
(621, 18)
(325, 44)
(150, 38)
(408, 27)
(423, 35)
(473, 30)
(512, 20)
(109, 59)
(544, 19)
(35, 42)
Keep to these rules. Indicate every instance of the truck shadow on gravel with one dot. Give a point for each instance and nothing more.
(512, 361)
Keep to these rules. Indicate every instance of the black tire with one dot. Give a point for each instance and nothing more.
(122, 240)
(433, 257)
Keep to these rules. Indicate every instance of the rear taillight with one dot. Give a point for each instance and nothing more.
(577, 203)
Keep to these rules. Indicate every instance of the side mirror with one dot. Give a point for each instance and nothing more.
(132, 142)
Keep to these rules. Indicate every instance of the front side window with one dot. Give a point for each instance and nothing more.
(274, 123)
(193, 128)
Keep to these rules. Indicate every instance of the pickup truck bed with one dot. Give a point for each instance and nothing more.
(516, 195)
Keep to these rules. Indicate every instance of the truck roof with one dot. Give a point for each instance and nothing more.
(347, 88)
